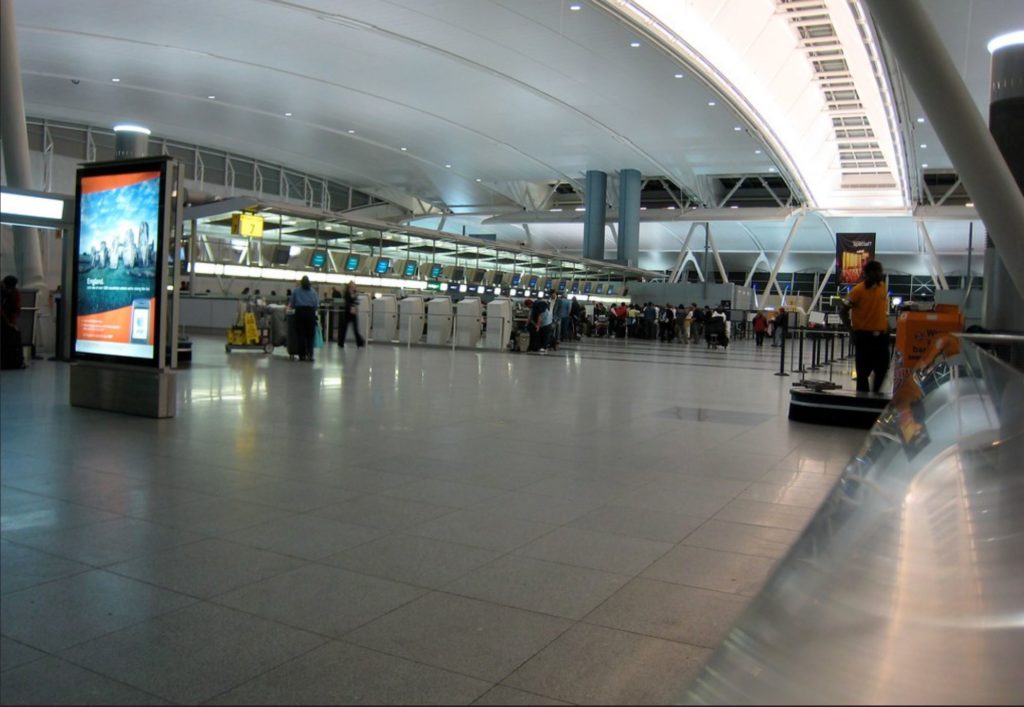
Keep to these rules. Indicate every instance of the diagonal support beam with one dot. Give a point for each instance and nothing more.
(718, 258)
(940, 278)
(761, 258)
(784, 252)
(824, 281)
(677, 269)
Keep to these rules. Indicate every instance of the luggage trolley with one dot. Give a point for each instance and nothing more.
(251, 331)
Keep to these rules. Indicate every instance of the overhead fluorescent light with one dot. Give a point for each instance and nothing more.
(128, 128)
(26, 205)
(1005, 40)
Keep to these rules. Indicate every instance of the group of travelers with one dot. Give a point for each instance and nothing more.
(552, 322)
(667, 323)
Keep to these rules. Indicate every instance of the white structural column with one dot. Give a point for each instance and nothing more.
(784, 252)
(940, 277)
(714, 250)
(952, 112)
(824, 281)
(761, 258)
(27, 251)
(677, 269)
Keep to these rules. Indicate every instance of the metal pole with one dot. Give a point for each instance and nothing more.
(961, 129)
(782, 357)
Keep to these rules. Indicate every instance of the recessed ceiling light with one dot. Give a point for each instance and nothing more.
(923, 146)
(737, 128)
(556, 209)
(575, 8)
(448, 166)
(1005, 40)
(116, 80)
(129, 128)
(351, 132)
(404, 149)
(329, 227)
(478, 179)
(924, 166)
(920, 120)
(757, 152)
(734, 206)
(679, 76)
(211, 97)
(287, 115)
(581, 208)
(643, 208)
(670, 208)
(711, 103)
(772, 169)
(969, 204)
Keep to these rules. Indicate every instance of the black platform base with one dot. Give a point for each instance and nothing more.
(838, 408)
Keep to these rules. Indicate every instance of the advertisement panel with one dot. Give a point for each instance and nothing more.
(853, 251)
(117, 271)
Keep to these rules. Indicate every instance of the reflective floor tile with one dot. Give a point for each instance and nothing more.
(326, 600)
(483, 530)
(110, 541)
(532, 506)
(406, 558)
(712, 569)
(469, 637)
(501, 695)
(772, 515)
(696, 616)
(52, 681)
(22, 567)
(743, 538)
(342, 674)
(377, 511)
(293, 496)
(52, 515)
(442, 493)
(305, 536)
(599, 551)
(67, 611)
(206, 568)
(785, 495)
(546, 587)
(214, 517)
(14, 653)
(194, 654)
(639, 523)
(595, 665)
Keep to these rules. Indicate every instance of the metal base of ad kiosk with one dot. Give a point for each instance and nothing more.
(133, 391)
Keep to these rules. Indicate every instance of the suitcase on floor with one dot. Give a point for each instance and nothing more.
(278, 326)
(293, 337)
(523, 341)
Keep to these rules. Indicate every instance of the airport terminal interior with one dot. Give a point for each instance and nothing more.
(602, 429)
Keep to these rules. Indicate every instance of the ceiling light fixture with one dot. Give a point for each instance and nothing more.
(575, 8)
(920, 120)
(404, 149)
(757, 152)
(448, 166)
(634, 44)
(924, 166)
(679, 76)
(116, 80)
(351, 132)
(211, 97)
(712, 104)
(923, 146)
(969, 204)
(287, 115)
(478, 179)
(737, 128)
(772, 169)
(734, 206)
(128, 128)
(670, 208)
(1005, 40)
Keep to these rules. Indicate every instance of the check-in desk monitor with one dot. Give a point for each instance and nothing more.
(599, 290)
(574, 288)
(436, 270)
(409, 269)
(587, 287)
(516, 279)
(385, 318)
(412, 317)
(531, 284)
(382, 266)
(439, 321)
(469, 319)
(499, 324)
(497, 278)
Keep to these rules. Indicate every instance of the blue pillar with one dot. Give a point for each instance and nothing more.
(595, 201)
(629, 217)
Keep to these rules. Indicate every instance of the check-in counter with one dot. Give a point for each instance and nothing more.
(469, 319)
(499, 323)
(385, 318)
(439, 321)
(199, 313)
(411, 320)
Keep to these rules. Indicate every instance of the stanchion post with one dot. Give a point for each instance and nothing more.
(782, 357)
(801, 355)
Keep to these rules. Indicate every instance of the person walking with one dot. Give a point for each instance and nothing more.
(305, 301)
(760, 327)
(12, 355)
(779, 326)
(350, 314)
(667, 324)
(869, 318)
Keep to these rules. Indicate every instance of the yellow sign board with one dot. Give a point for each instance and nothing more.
(248, 225)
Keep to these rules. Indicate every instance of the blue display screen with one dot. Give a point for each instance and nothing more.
(383, 265)
(532, 282)
(575, 287)
(611, 290)
(586, 288)
(561, 285)
(410, 270)
(600, 289)
(435, 271)
(547, 283)
(318, 259)
(352, 263)
(515, 279)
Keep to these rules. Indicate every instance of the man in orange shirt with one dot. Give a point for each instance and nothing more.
(869, 316)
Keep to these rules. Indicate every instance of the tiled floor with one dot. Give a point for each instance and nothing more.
(400, 525)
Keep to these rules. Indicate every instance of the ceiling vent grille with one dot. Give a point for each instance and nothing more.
(861, 160)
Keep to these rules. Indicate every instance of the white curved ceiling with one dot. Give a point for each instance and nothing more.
(513, 94)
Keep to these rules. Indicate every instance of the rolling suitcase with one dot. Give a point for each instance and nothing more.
(293, 337)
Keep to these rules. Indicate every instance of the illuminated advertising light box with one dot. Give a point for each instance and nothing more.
(120, 231)
(383, 265)
(435, 271)
(318, 259)
(410, 270)
(351, 263)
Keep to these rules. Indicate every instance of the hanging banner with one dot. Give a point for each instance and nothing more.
(118, 269)
(853, 251)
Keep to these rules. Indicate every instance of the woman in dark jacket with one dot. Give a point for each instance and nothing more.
(349, 313)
